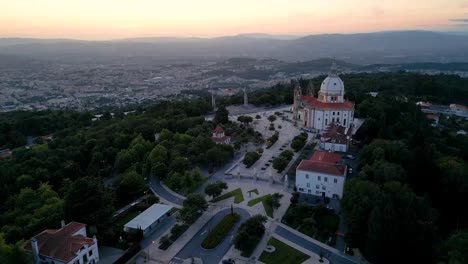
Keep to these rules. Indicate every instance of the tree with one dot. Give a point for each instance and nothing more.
(272, 118)
(274, 200)
(245, 119)
(90, 202)
(280, 163)
(12, 254)
(215, 189)
(130, 185)
(221, 115)
(250, 158)
(249, 234)
(454, 248)
(258, 117)
(193, 206)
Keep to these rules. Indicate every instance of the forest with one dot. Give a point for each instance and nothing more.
(406, 202)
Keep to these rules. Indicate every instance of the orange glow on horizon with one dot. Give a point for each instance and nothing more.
(113, 19)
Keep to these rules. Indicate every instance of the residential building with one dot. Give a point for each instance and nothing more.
(324, 174)
(218, 136)
(67, 245)
(149, 219)
(434, 118)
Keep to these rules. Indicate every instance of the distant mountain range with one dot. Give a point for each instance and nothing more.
(365, 48)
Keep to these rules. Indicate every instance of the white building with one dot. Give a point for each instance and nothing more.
(67, 245)
(322, 175)
(329, 107)
(218, 136)
(149, 219)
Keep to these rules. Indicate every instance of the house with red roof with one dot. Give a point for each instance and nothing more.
(67, 245)
(324, 174)
(218, 136)
(329, 107)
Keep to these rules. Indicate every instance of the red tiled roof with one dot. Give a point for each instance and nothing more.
(337, 134)
(221, 139)
(218, 129)
(314, 102)
(60, 244)
(323, 162)
(432, 116)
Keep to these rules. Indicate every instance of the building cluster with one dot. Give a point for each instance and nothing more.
(331, 116)
(449, 110)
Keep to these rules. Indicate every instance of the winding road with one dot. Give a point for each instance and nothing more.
(159, 190)
(194, 249)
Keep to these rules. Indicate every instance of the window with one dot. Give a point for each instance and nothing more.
(319, 178)
(325, 179)
(326, 121)
(90, 253)
(309, 191)
(324, 188)
(301, 189)
(333, 120)
(338, 119)
(333, 113)
(337, 113)
(335, 180)
(317, 192)
(307, 176)
(308, 184)
(317, 186)
(344, 122)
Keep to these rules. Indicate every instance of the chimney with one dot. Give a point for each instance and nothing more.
(62, 223)
(35, 250)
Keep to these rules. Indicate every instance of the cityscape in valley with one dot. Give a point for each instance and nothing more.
(279, 148)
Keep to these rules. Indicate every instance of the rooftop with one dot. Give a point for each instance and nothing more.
(61, 244)
(314, 102)
(149, 216)
(218, 129)
(323, 162)
(336, 133)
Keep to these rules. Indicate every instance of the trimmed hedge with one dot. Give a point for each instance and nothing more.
(237, 193)
(219, 232)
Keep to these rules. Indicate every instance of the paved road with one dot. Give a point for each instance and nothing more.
(156, 188)
(194, 249)
(333, 257)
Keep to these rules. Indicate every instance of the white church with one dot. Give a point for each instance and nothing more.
(330, 106)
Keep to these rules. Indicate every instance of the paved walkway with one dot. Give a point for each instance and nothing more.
(315, 246)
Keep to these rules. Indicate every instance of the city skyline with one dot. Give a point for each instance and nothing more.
(115, 19)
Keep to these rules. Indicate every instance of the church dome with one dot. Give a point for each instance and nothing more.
(332, 85)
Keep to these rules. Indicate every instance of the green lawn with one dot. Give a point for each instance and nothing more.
(126, 218)
(237, 193)
(282, 254)
(268, 208)
(253, 191)
(219, 232)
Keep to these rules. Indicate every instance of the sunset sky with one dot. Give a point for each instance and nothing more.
(112, 19)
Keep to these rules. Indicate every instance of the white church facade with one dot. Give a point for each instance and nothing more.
(330, 106)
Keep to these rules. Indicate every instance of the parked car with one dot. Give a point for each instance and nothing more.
(351, 157)
(228, 261)
(350, 170)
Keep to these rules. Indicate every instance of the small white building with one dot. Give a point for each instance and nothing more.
(149, 219)
(218, 136)
(67, 245)
(323, 175)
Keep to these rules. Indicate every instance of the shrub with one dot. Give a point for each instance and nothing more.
(299, 141)
(250, 158)
(272, 140)
(219, 232)
(249, 234)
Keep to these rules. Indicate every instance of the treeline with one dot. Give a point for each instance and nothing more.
(443, 89)
(64, 179)
(405, 204)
